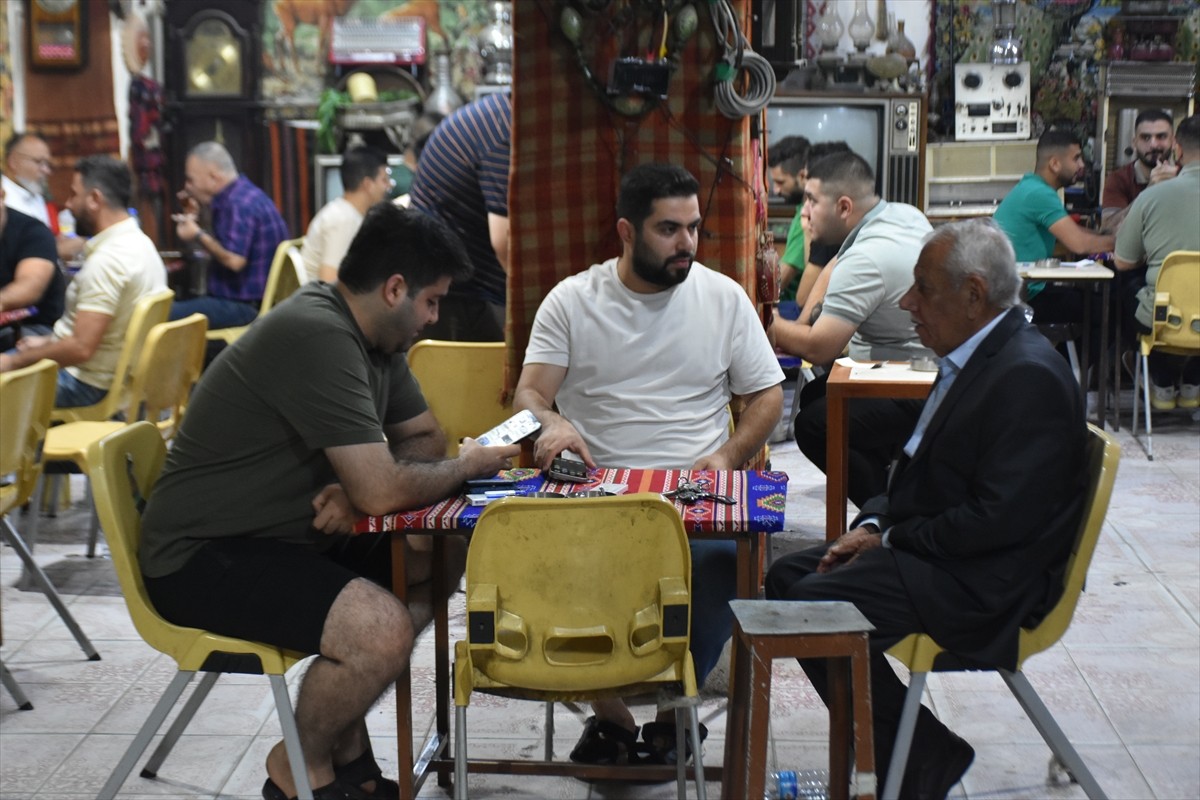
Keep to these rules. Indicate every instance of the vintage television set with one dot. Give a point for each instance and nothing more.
(888, 130)
(327, 183)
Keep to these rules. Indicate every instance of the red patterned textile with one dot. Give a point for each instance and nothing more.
(569, 152)
(759, 500)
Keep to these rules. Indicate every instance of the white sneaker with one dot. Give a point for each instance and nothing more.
(1162, 398)
(1189, 395)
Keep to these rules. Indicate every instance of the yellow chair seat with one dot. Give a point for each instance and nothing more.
(285, 277)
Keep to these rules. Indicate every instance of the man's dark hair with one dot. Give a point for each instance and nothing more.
(1188, 135)
(645, 183)
(789, 154)
(402, 241)
(110, 176)
(359, 163)
(17, 138)
(1153, 115)
(1053, 142)
(843, 174)
(821, 149)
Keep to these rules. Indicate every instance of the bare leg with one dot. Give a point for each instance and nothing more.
(614, 710)
(365, 645)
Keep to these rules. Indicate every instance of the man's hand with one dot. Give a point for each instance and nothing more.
(848, 547)
(556, 436)
(6, 362)
(484, 462)
(186, 226)
(334, 513)
(188, 203)
(715, 462)
(1165, 170)
(30, 342)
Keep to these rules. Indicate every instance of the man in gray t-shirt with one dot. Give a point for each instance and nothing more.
(879, 243)
(308, 421)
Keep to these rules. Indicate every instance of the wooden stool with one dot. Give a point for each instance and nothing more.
(765, 630)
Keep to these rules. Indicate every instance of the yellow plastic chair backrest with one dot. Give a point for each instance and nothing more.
(579, 594)
(463, 383)
(918, 651)
(170, 365)
(1177, 304)
(285, 276)
(26, 398)
(124, 468)
(150, 310)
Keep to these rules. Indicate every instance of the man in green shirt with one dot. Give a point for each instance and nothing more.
(788, 163)
(309, 420)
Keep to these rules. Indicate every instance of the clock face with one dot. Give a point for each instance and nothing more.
(213, 61)
(57, 6)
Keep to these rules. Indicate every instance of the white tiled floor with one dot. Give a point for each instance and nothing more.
(1124, 683)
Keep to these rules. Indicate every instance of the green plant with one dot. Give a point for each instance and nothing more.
(332, 101)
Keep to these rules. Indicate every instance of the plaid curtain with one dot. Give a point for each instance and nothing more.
(569, 152)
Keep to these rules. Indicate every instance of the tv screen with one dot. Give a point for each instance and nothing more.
(858, 126)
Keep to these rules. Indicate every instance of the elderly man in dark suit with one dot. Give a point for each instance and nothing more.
(980, 509)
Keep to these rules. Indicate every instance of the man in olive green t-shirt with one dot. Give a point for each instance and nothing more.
(309, 420)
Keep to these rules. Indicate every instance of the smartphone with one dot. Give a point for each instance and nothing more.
(513, 429)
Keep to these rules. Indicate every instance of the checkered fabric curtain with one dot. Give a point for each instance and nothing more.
(569, 152)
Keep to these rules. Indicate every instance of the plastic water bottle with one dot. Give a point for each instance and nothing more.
(66, 222)
(805, 784)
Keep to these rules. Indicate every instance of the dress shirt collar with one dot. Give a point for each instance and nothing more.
(960, 355)
(874, 212)
(112, 231)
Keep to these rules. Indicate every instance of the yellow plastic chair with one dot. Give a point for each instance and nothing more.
(169, 366)
(463, 382)
(285, 277)
(26, 397)
(919, 651)
(150, 310)
(1176, 326)
(577, 599)
(125, 466)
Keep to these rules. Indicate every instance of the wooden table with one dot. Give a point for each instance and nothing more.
(841, 388)
(759, 497)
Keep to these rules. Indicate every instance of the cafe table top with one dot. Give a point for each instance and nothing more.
(759, 498)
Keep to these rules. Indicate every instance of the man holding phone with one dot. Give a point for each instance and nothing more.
(698, 343)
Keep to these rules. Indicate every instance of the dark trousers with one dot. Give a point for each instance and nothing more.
(877, 429)
(872, 583)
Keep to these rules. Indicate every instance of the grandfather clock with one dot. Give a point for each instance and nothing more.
(213, 58)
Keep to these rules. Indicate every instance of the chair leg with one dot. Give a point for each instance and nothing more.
(94, 526)
(1043, 720)
(904, 735)
(291, 737)
(697, 759)
(460, 753)
(1149, 425)
(150, 727)
(14, 689)
(180, 724)
(549, 727)
(39, 577)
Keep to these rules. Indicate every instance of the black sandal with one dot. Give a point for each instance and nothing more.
(338, 790)
(659, 738)
(365, 769)
(604, 742)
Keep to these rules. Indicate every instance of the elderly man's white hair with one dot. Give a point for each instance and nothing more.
(979, 247)
(215, 153)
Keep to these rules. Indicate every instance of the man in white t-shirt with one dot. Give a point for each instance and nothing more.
(641, 355)
(366, 180)
(121, 265)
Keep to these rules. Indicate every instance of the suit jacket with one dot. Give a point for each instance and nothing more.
(982, 517)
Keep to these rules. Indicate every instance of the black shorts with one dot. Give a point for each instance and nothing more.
(265, 590)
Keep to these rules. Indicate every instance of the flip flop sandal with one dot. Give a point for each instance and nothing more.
(364, 769)
(659, 739)
(338, 790)
(604, 742)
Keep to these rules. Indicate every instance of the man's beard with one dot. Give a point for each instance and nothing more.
(795, 197)
(659, 273)
(35, 185)
(1152, 158)
(84, 226)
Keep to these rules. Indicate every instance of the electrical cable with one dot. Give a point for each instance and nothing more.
(738, 59)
